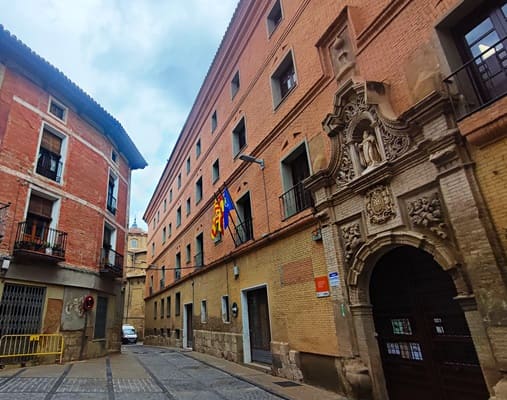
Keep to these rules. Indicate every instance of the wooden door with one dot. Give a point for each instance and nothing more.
(189, 328)
(259, 328)
(423, 336)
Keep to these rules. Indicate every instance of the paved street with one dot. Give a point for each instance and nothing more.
(143, 372)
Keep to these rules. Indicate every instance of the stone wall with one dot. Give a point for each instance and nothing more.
(219, 344)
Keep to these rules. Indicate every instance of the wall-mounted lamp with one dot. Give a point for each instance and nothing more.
(250, 159)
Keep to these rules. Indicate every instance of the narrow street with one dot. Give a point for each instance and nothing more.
(142, 372)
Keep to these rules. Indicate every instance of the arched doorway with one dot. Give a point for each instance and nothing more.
(423, 336)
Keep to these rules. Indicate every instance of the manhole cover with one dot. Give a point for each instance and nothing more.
(287, 384)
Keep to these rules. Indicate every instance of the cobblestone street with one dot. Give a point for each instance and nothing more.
(140, 372)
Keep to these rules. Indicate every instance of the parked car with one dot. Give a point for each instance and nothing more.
(128, 334)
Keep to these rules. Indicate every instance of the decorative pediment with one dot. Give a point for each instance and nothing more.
(364, 130)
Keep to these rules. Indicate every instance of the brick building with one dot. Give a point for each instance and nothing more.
(135, 276)
(391, 114)
(65, 167)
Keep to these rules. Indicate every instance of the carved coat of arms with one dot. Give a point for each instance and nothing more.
(379, 205)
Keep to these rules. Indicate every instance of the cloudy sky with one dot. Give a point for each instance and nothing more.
(143, 61)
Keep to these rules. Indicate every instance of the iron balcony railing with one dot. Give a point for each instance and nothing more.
(49, 165)
(36, 237)
(111, 203)
(295, 200)
(480, 81)
(111, 263)
(243, 232)
(199, 259)
(3, 218)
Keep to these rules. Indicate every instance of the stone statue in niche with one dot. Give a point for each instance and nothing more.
(369, 153)
(427, 213)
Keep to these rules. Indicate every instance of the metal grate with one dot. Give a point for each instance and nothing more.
(21, 309)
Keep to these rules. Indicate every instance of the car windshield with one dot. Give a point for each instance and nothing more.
(129, 331)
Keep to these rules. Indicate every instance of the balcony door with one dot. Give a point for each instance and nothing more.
(483, 39)
(38, 219)
(295, 169)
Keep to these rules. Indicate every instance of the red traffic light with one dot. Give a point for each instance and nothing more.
(88, 303)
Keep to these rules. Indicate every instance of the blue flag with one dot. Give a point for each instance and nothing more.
(228, 207)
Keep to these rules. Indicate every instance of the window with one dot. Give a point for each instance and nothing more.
(178, 216)
(177, 269)
(155, 311)
(198, 190)
(235, 84)
(198, 148)
(274, 17)
(214, 121)
(225, 309)
(162, 311)
(100, 318)
(170, 229)
(179, 180)
(188, 206)
(188, 253)
(177, 304)
(218, 238)
(151, 285)
(199, 248)
(134, 243)
(204, 311)
(112, 193)
(215, 171)
(40, 218)
(283, 80)
(109, 257)
(188, 165)
(170, 195)
(243, 232)
(58, 110)
(154, 223)
(49, 161)
(165, 205)
(168, 306)
(295, 169)
(478, 31)
(158, 216)
(153, 249)
(114, 156)
(164, 234)
(239, 137)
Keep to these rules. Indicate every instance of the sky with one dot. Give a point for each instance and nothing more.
(143, 61)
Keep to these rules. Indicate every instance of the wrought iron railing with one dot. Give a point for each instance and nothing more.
(4, 208)
(111, 262)
(243, 232)
(199, 259)
(295, 200)
(49, 165)
(111, 203)
(37, 237)
(479, 81)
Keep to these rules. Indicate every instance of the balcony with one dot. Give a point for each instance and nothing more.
(111, 203)
(295, 200)
(199, 260)
(479, 82)
(243, 232)
(111, 263)
(37, 239)
(49, 165)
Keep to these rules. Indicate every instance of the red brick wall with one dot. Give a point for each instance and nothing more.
(83, 191)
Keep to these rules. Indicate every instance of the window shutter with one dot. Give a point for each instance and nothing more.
(51, 142)
(40, 206)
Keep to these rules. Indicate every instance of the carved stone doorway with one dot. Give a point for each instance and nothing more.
(424, 341)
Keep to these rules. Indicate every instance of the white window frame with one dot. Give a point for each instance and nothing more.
(226, 312)
(55, 209)
(270, 25)
(63, 150)
(236, 150)
(275, 79)
(65, 109)
(204, 311)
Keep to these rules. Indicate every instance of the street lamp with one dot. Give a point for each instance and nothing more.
(250, 159)
(260, 161)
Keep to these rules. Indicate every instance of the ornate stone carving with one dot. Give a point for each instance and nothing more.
(368, 150)
(341, 55)
(426, 212)
(346, 169)
(396, 141)
(379, 205)
(351, 239)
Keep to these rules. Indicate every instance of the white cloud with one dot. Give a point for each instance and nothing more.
(142, 61)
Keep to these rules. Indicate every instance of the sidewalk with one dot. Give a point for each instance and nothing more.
(265, 380)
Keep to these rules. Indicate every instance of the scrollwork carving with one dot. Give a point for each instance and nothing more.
(426, 212)
(346, 169)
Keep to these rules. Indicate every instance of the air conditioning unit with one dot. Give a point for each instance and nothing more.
(6, 262)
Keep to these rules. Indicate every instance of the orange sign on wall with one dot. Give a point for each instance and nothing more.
(322, 286)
